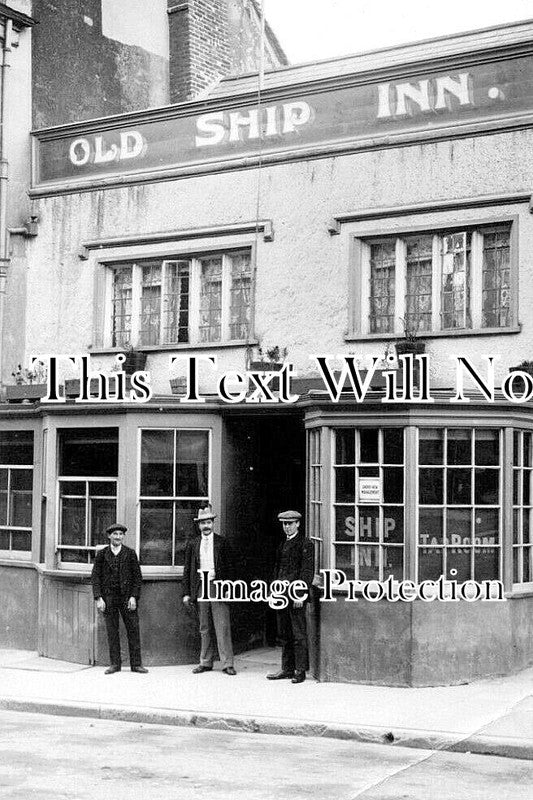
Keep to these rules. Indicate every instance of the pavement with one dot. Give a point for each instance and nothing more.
(492, 716)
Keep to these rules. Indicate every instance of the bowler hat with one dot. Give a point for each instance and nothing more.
(289, 516)
(117, 526)
(205, 513)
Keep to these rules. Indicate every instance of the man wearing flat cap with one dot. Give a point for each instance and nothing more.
(209, 553)
(295, 561)
(116, 580)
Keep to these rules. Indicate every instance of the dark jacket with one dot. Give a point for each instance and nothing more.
(295, 560)
(129, 571)
(222, 556)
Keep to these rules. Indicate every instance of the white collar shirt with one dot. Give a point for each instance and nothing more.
(207, 556)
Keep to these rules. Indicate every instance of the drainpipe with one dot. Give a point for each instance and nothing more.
(4, 257)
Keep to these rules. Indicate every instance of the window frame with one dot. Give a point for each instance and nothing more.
(472, 506)
(436, 225)
(333, 504)
(12, 555)
(78, 566)
(169, 568)
(519, 510)
(86, 548)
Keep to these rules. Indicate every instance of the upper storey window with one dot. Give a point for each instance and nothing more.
(446, 280)
(180, 301)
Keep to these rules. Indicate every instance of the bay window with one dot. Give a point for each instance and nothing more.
(174, 484)
(368, 507)
(523, 508)
(16, 493)
(87, 489)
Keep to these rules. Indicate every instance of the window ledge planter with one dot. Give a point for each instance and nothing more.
(135, 361)
(25, 392)
(265, 366)
(519, 383)
(412, 346)
(178, 385)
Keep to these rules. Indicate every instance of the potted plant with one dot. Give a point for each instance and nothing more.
(519, 384)
(30, 384)
(411, 343)
(269, 360)
(135, 361)
(178, 385)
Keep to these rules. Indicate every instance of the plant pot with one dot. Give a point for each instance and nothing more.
(519, 384)
(30, 392)
(178, 385)
(261, 367)
(406, 346)
(135, 361)
(73, 385)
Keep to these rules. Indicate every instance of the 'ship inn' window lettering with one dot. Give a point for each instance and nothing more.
(16, 484)
(174, 484)
(459, 515)
(88, 470)
(437, 281)
(368, 475)
(181, 301)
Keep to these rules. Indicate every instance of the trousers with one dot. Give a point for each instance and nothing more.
(292, 629)
(215, 625)
(115, 606)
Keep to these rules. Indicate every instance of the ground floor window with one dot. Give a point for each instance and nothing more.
(522, 507)
(16, 493)
(438, 512)
(459, 499)
(174, 483)
(368, 507)
(87, 491)
(314, 492)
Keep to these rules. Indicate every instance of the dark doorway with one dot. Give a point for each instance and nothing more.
(263, 473)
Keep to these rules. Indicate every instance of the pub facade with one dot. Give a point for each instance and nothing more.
(357, 209)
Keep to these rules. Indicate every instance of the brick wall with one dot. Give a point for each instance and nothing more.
(199, 46)
(209, 39)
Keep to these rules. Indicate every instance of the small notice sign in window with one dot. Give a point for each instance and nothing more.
(369, 490)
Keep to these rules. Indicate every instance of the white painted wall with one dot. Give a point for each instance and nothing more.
(302, 280)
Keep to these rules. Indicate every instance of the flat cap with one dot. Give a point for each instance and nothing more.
(289, 516)
(117, 526)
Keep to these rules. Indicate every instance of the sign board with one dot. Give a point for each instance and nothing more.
(354, 114)
(369, 490)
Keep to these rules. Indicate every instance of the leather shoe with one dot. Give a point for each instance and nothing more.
(278, 676)
(112, 669)
(229, 671)
(199, 669)
(299, 677)
(140, 669)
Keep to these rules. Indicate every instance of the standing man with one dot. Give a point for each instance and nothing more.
(116, 579)
(295, 561)
(209, 553)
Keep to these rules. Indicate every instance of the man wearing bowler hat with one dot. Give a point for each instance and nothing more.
(295, 561)
(209, 553)
(116, 580)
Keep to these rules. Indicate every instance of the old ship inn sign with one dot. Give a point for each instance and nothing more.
(198, 137)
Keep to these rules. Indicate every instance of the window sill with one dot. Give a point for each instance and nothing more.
(526, 590)
(16, 561)
(83, 573)
(463, 332)
(156, 348)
